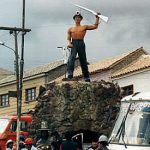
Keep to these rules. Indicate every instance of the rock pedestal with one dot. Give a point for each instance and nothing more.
(78, 106)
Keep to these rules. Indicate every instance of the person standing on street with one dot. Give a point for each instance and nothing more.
(76, 43)
(29, 144)
(103, 142)
(94, 144)
(9, 145)
(68, 144)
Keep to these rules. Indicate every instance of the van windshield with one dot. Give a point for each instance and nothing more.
(3, 124)
(133, 124)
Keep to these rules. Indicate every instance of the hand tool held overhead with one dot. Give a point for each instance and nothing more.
(102, 17)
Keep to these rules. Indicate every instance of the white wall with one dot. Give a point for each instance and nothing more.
(140, 81)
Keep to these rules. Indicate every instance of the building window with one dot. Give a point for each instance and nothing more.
(30, 94)
(4, 100)
(127, 90)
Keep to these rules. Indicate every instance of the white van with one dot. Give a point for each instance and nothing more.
(132, 128)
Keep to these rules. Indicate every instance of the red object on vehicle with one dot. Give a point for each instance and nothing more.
(8, 128)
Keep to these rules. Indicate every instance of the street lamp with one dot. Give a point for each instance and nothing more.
(3, 44)
(65, 52)
(16, 66)
(16, 58)
(17, 82)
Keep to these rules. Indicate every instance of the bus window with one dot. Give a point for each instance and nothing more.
(24, 126)
(13, 126)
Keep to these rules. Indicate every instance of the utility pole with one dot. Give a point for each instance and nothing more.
(19, 75)
(22, 58)
(17, 67)
(21, 72)
(14, 30)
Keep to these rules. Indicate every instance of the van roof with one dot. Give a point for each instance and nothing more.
(14, 117)
(139, 96)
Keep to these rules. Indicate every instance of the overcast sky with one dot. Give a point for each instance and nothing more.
(127, 29)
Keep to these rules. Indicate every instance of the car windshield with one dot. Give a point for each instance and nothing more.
(133, 124)
(3, 124)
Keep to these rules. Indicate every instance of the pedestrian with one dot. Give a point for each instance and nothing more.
(21, 138)
(78, 138)
(68, 144)
(94, 144)
(29, 144)
(9, 144)
(14, 146)
(76, 43)
(44, 140)
(103, 143)
(22, 145)
(56, 140)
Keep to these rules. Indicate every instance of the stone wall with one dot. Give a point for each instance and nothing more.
(78, 106)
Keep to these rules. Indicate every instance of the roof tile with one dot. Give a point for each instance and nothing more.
(34, 71)
(106, 63)
(141, 63)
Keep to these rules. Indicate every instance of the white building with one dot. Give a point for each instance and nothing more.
(135, 76)
(130, 70)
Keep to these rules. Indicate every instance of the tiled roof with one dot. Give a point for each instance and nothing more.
(8, 79)
(98, 66)
(142, 63)
(43, 68)
(106, 63)
(5, 72)
(93, 68)
(34, 71)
